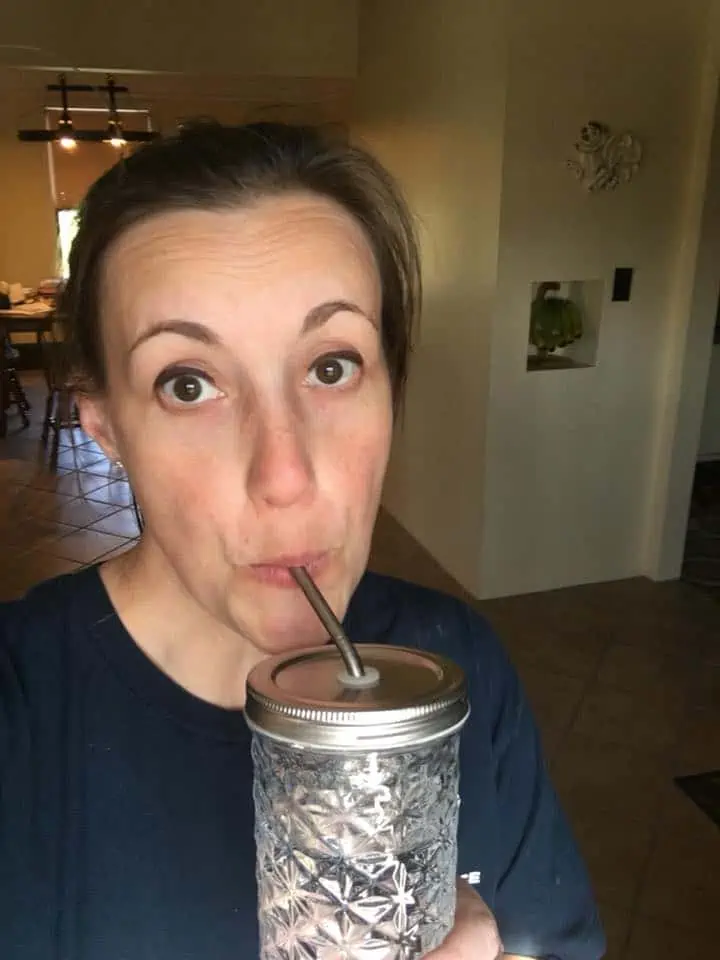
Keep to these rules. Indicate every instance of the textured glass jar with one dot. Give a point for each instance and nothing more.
(356, 805)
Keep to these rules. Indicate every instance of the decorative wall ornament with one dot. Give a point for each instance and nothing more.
(605, 159)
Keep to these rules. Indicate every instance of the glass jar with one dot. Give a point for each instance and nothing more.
(356, 804)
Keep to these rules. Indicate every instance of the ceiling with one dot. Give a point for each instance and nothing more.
(275, 38)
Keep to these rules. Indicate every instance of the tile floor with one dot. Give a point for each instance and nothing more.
(624, 678)
(60, 517)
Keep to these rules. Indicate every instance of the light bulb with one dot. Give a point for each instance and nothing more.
(117, 142)
(68, 143)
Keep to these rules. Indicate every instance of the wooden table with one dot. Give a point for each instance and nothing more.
(34, 318)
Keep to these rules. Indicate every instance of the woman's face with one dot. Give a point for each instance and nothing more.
(249, 399)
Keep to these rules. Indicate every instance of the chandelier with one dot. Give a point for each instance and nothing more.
(68, 136)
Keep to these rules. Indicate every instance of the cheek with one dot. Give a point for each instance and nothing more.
(174, 490)
(174, 471)
(357, 461)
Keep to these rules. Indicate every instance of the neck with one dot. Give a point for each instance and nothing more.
(205, 657)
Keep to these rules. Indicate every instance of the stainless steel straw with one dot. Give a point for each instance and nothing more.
(353, 663)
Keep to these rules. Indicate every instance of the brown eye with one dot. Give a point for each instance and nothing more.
(334, 370)
(329, 371)
(188, 389)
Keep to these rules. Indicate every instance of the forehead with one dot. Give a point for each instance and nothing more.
(294, 242)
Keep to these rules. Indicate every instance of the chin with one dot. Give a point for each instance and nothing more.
(277, 620)
(275, 614)
(277, 633)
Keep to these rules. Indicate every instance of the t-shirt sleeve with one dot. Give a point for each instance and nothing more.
(544, 903)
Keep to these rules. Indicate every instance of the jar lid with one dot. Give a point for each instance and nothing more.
(300, 698)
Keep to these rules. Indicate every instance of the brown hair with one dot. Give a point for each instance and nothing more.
(210, 166)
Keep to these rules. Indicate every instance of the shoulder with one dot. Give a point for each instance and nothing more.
(384, 607)
(43, 610)
(38, 640)
(389, 610)
(38, 630)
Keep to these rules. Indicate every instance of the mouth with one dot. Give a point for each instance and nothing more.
(276, 571)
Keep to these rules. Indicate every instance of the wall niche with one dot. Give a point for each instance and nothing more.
(564, 324)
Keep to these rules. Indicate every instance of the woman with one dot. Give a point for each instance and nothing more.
(241, 302)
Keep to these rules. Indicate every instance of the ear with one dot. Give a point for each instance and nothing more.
(95, 420)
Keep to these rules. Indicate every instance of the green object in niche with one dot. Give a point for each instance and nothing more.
(555, 322)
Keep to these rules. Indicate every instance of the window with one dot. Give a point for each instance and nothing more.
(66, 229)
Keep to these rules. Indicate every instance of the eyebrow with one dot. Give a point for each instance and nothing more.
(323, 311)
(202, 334)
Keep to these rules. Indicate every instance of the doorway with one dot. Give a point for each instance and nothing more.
(701, 560)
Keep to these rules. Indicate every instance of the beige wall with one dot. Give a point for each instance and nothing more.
(75, 171)
(430, 103)
(27, 226)
(571, 454)
(298, 38)
(523, 481)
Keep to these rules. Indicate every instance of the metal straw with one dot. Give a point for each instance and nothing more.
(353, 663)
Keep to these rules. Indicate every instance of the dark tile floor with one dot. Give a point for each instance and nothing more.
(624, 678)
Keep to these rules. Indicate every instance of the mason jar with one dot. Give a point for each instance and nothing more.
(356, 803)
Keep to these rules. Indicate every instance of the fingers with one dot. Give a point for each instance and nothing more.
(474, 935)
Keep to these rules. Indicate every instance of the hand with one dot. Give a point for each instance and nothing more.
(474, 935)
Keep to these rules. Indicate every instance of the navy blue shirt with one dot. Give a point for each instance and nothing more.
(126, 815)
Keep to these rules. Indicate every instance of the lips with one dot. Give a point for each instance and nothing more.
(277, 570)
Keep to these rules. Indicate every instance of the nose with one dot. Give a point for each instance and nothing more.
(281, 472)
